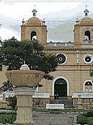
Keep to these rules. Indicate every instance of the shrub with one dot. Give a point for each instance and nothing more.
(89, 114)
(90, 120)
(82, 119)
(7, 117)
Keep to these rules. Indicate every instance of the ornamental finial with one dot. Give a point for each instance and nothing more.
(34, 11)
(86, 11)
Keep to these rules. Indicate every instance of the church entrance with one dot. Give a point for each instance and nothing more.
(60, 88)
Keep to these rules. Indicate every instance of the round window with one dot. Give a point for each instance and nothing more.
(88, 59)
(61, 59)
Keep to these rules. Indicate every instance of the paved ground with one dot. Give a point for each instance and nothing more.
(46, 118)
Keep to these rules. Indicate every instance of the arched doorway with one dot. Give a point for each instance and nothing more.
(60, 87)
(33, 35)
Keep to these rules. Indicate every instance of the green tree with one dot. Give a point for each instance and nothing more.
(6, 86)
(13, 54)
(12, 101)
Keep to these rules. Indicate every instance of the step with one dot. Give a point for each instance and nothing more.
(67, 101)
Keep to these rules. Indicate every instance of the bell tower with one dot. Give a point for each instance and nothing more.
(34, 28)
(83, 31)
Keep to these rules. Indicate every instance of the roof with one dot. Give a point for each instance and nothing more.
(86, 21)
(34, 21)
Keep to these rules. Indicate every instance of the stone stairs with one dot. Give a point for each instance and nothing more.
(67, 101)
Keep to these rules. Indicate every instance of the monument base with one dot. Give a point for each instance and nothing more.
(24, 105)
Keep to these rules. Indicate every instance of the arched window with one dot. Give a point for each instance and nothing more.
(87, 35)
(88, 86)
(33, 35)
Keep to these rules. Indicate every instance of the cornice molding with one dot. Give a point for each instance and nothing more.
(68, 49)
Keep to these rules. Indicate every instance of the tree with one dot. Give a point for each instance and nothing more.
(8, 87)
(12, 101)
(13, 54)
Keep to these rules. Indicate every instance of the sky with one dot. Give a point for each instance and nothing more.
(53, 11)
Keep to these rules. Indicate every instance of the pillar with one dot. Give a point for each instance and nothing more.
(24, 105)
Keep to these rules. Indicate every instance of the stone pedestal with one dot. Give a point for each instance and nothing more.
(20, 78)
(24, 105)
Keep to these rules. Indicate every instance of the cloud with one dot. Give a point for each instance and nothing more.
(6, 33)
(55, 13)
(15, 1)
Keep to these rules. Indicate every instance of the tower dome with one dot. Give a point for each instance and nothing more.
(34, 21)
(86, 21)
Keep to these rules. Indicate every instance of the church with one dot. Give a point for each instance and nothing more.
(72, 82)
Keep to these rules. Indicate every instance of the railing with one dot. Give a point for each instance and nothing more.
(83, 95)
(58, 44)
(41, 95)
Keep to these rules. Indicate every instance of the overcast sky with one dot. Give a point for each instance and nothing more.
(13, 11)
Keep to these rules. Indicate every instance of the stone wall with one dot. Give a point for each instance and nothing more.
(40, 102)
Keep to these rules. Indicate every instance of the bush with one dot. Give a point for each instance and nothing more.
(89, 114)
(7, 117)
(90, 120)
(86, 118)
(82, 119)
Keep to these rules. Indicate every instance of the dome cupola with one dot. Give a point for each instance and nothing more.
(34, 21)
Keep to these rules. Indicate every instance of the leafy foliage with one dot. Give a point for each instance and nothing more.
(6, 86)
(7, 117)
(13, 54)
(86, 118)
(89, 114)
(90, 121)
(81, 120)
(12, 101)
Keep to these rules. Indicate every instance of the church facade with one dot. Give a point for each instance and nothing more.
(73, 76)
(72, 83)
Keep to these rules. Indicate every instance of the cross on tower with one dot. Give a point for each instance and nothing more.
(34, 11)
(86, 11)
